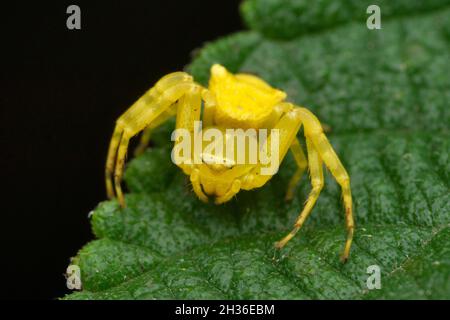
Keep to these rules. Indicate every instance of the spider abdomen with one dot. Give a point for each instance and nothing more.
(243, 100)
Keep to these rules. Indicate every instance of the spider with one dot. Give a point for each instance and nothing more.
(231, 101)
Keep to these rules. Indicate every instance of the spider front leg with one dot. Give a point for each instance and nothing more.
(230, 193)
(141, 114)
(147, 133)
(195, 181)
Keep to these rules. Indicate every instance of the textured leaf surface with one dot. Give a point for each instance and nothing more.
(385, 96)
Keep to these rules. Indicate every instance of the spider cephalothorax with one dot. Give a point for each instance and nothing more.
(232, 101)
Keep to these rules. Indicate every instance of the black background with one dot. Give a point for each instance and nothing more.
(60, 93)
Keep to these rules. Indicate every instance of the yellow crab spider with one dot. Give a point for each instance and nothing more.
(231, 101)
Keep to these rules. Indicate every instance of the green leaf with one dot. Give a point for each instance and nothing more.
(384, 93)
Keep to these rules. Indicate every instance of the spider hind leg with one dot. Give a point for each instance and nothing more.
(317, 182)
(302, 164)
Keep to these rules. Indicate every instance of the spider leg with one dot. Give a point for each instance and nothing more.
(143, 112)
(146, 134)
(302, 164)
(144, 141)
(235, 188)
(195, 180)
(314, 133)
(111, 159)
(209, 108)
(120, 163)
(188, 113)
(287, 128)
(317, 181)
